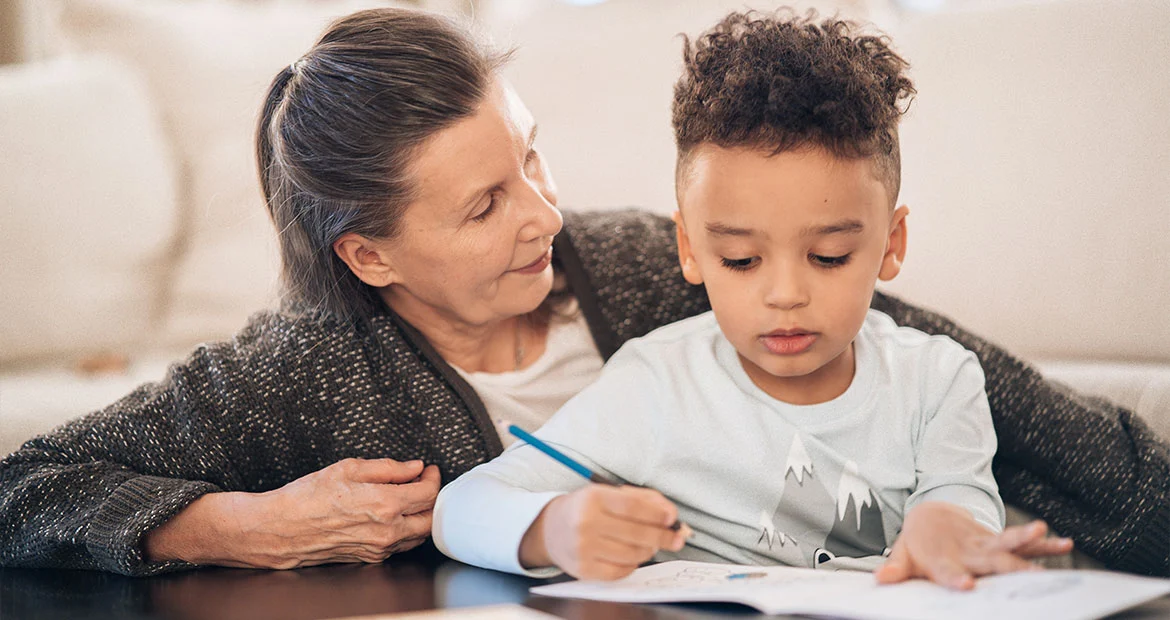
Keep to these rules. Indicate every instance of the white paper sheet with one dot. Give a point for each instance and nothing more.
(492, 612)
(1052, 595)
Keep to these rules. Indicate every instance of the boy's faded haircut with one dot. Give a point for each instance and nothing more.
(781, 82)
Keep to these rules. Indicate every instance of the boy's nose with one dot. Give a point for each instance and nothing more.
(786, 291)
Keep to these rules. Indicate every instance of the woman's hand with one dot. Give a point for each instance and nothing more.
(945, 544)
(602, 532)
(355, 510)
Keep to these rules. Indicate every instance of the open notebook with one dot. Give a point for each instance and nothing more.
(1053, 595)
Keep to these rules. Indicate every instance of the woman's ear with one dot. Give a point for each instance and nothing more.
(369, 262)
(895, 245)
(686, 258)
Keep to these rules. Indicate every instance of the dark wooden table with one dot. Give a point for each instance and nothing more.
(414, 583)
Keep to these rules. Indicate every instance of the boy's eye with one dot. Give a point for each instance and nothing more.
(829, 261)
(740, 264)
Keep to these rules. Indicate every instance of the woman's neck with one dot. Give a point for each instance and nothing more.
(499, 346)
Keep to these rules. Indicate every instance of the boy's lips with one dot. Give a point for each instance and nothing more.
(537, 265)
(788, 341)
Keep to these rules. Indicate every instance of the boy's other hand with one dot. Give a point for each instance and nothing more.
(945, 544)
(602, 532)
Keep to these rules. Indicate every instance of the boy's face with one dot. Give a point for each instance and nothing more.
(789, 247)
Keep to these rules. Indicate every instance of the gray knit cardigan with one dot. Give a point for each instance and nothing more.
(291, 394)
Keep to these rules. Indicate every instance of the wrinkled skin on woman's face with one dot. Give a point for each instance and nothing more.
(475, 245)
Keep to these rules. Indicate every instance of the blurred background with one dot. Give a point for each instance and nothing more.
(1036, 159)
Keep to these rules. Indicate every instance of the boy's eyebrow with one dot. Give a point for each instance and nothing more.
(719, 228)
(844, 226)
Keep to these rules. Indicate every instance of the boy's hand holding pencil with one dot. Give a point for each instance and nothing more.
(603, 531)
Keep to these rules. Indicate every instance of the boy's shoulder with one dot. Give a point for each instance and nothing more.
(691, 340)
(698, 329)
(910, 347)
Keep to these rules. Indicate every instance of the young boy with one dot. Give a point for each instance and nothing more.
(792, 424)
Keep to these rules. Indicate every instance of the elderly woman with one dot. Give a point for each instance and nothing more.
(432, 289)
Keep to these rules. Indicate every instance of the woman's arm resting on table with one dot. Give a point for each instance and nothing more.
(135, 488)
(353, 511)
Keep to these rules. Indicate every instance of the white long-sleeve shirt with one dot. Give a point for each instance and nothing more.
(760, 481)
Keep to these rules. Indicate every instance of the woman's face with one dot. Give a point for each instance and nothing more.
(475, 245)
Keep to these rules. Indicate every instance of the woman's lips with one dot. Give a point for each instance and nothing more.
(537, 265)
(783, 342)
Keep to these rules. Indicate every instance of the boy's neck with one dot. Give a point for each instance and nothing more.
(820, 386)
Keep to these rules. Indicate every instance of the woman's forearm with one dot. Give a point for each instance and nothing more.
(208, 531)
(352, 511)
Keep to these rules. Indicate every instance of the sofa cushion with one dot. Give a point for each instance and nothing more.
(1143, 388)
(1035, 159)
(87, 209)
(208, 64)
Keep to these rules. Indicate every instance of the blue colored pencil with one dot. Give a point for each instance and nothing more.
(564, 459)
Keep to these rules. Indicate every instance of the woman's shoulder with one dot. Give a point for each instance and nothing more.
(588, 226)
(622, 265)
(280, 338)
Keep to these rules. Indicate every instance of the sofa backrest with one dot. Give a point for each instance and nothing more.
(88, 213)
(1036, 161)
(1035, 153)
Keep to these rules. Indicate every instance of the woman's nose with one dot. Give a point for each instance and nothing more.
(541, 216)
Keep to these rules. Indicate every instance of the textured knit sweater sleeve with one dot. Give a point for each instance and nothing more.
(285, 398)
(84, 495)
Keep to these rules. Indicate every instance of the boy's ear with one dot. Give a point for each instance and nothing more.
(895, 245)
(686, 258)
(370, 263)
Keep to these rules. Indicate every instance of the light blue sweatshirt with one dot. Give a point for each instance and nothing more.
(760, 481)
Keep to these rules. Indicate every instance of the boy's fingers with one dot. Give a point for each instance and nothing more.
(897, 567)
(641, 505)
(620, 553)
(1045, 547)
(609, 571)
(949, 573)
(640, 534)
(998, 562)
(895, 570)
(1019, 535)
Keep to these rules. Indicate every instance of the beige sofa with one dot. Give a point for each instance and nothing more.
(130, 221)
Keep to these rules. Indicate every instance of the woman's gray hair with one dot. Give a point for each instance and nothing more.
(337, 133)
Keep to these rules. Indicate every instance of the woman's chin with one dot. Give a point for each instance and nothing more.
(535, 293)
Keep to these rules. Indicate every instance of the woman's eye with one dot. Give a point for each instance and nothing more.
(829, 261)
(740, 264)
(491, 206)
(530, 160)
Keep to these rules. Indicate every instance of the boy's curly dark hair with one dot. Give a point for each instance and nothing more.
(781, 81)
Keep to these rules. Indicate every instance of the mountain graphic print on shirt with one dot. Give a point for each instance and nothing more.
(812, 528)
